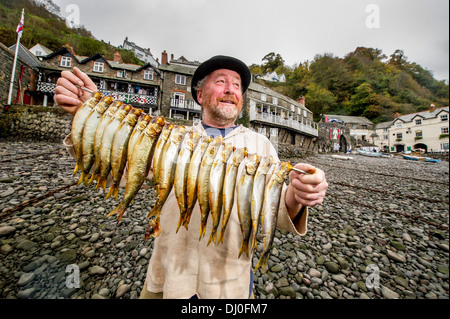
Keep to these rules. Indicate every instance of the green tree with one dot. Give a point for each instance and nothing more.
(319, 100)
(273, 61)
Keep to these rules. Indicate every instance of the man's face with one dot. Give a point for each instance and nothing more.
(221, 96)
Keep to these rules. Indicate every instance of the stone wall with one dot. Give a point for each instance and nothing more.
(34, 123)
(334, 133)
(29, 77)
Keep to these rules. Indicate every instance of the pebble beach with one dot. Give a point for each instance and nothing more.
(381, 233)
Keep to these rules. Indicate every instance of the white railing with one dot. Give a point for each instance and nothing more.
(185, 104)
(306, 126)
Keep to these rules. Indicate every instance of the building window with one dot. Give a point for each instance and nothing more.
(419, 122)
(444, 117)
(38, 53)
(121, 74)
(263, 97)
(178, 99)
(444, 130)
(180, 79)
(419, 133)
(444, 146)
(274, 100)
(99, 67)
(148, 74)
(398, 124)
(385, 137)
(66, 61)
(399, 135)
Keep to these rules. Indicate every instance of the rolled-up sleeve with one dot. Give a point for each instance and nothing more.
(299, 224)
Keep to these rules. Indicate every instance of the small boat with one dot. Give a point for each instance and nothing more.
(342, 157)
(421, 158)
(413, 157)
(369, 153)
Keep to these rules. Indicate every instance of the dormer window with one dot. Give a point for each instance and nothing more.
(99, 67)
(66, 61)
(121, 74)
(148, 74)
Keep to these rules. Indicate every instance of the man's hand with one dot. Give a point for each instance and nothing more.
(67, 95)
(305, 190)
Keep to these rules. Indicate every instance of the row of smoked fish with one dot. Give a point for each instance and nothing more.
(109, 136)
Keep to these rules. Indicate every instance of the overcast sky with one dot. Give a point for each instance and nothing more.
(296, 29)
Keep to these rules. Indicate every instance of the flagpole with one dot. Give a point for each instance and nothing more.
(11, 86)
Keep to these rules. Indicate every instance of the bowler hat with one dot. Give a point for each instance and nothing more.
(221, 62)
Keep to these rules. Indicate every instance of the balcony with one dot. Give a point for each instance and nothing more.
(188, 105)
(184, 109)
(45, 87)
(301, 125)
(132, 98)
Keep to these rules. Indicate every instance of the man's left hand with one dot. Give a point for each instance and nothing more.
(305, 190)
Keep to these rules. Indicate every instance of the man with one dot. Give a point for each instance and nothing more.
(181, 266)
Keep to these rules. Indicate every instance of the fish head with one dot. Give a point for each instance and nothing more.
(252, 163)
(282, 171)
(143, 121)
(265, 164)
(96, 96)
(239, 155)
(155, 127)
(114, 107)
(228, 149)
(133, 115)
(103, 104)
(123, 111)
(178, 134)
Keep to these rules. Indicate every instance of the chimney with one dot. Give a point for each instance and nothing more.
(70, 48)
(301, 100)
(117, 57)
(171, 57)
(164, 57)
(396, 115)
(432, 108)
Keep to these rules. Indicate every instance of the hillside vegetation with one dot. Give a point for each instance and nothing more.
(43, 25)
(365, 82)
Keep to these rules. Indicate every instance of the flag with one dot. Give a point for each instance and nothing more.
(20, 26)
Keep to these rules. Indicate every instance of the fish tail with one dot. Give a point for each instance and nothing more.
(187, 218)
(153, 229)
(244, 248)
(253, 241)
(120, 210)
(202, 231)
(113, 191)
(180, 222)
(220, 239)
(81, 179)
(212, 237)
(93, 176)
(155, 211)
(86, 180)
(262, 262)
(76, 169)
